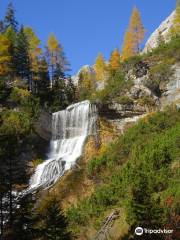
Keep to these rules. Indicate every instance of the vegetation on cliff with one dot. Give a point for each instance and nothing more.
(137, 173)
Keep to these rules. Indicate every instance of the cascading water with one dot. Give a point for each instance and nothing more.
(70, 129)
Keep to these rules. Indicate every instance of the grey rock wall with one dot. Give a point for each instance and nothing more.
(43, 126)
(162, 30)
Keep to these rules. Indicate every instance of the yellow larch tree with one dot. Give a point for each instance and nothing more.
(100, 67)
(34, 51)
(114, 62)
(53, 50)
(5, 57)
(127, 50)
(134, 35)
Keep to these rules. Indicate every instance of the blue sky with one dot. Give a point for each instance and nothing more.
(86, 27)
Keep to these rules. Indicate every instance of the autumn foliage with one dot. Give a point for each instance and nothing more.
(114, 61)
(134, 35)
(100, 67)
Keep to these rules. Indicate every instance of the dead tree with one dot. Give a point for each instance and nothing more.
(103, 233)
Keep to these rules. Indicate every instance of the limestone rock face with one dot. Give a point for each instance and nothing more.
(172, 93)
(162, 30)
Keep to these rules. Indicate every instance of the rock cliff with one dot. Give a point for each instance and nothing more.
(43, 126)
(162, 30)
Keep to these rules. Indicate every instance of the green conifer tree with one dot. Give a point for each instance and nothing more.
(12, 37)
(22, 58)
(10, 20)
(53, 224)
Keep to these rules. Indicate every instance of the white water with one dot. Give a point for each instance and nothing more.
(70, 129)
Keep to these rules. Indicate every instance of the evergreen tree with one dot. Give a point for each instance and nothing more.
(10, 20)
(12, 37)
(53, 224)
(23, 227)
(43, 82)
(58, 73)
(22, 59)
(70, 91)
(100, 67)
(1, 26)
(134, 35)
(114, 62)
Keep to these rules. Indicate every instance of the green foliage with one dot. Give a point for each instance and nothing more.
(22, 58)
(26, 102)
(115, 87)
(86, 86)
(62, 95)
(23, 225)
(140, 174)
(165, 51)
(10, 20)
(15, 122)
(124, 100)
(52, 223)
(19, 95)
(4, 90)
(132, 61)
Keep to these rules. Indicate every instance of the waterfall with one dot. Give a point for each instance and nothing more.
(70, 129)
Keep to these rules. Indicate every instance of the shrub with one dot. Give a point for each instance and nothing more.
(15, 122)
(170, 50)
(19, 95)
(124, 100)
(146, 101)
(116, 86)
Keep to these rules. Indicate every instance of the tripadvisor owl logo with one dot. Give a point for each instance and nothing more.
(139, 231)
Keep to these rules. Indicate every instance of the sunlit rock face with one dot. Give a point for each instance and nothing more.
(163, 30)
(172, 91)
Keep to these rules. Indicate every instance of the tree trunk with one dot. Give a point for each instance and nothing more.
(10, 193)
(1, 216)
